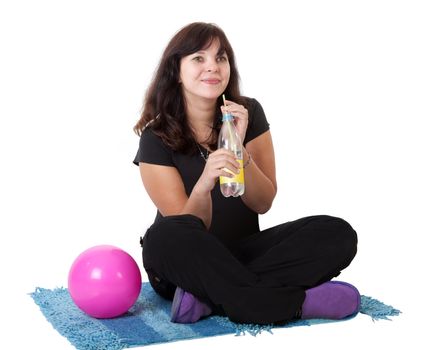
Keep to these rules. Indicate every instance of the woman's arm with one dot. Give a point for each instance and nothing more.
(166, 189)
(260, 174)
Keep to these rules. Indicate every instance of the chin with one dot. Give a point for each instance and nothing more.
(210, 96)
(209, 93)
(213, 94)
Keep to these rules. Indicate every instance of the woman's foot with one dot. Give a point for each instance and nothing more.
(331, 300)
(186, 308)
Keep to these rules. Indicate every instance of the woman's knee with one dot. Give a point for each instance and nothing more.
(172, 239)
(345, 237)
(337, 235)
(170, 230)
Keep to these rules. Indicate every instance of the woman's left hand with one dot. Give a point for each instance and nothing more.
(240, 114)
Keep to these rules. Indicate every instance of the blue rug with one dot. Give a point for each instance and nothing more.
(147, 322)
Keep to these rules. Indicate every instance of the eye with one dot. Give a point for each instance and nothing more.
(222, 58)
(198, 59)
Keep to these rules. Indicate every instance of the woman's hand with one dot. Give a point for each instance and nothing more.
(241, 117)
(218, 164)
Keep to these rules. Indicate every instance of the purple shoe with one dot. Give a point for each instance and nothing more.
(331, 300)
(186, 308)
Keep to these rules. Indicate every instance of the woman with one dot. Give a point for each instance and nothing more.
(204, 251)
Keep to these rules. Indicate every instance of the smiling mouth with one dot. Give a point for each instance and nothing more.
(211, 81)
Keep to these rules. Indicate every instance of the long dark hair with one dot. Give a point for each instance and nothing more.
(164, 105)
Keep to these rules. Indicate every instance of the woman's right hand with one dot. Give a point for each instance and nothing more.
(217, 165)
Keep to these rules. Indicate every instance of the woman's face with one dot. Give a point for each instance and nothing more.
(205, 74)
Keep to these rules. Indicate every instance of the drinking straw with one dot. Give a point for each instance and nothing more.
(230, 130)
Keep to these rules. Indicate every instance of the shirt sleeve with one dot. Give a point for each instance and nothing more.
(257, 123)
(152, 150)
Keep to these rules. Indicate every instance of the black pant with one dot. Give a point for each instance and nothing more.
(260, 280)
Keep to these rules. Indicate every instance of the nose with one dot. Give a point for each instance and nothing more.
(212, 66)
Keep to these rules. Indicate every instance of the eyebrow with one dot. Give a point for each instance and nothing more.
(219, 53)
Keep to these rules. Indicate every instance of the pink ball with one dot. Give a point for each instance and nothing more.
(104, 281)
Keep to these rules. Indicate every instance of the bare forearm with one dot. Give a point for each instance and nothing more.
(199, 204)
(259, 190)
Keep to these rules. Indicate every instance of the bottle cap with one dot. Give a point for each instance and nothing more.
(227, 117)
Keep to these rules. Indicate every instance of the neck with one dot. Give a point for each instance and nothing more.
(200, 118)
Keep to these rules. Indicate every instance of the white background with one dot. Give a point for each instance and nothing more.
(350, 90)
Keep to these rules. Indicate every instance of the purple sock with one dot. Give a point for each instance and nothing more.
(331, 300)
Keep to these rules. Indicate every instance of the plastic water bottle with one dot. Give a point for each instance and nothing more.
(229, 139)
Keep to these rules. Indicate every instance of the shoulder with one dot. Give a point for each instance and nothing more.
(149, 136)
(152, 149)
(152, 140)
(256, 114)
(252, 104)
(257, 121)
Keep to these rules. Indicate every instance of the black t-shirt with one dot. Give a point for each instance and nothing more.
(232, 220)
